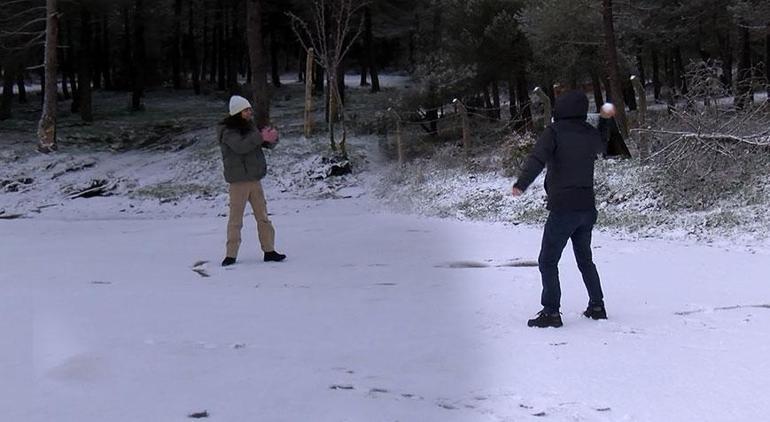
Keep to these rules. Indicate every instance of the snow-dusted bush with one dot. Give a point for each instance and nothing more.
(705, 150)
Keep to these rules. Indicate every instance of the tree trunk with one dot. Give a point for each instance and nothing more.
(628, 94)
(340, 75)
(139, 57)
(192, 55)
(680, 70)
(744, 96)
(331, 107)
(308, 112)
(207, 54)
(22, 88)
(261, 96)
(214, 52)
(233, 52)
(487, 102)
(96, 59)
(607, 89)
(640, 67)
(655, 73)
(6, 104)
(41, 70)
(105, 56)
(328, 104)
(525, 105)
(374, 76)
(223, 50)
(512, 109)
(669, 69)
(85, 65)
(301, 66)
(767, 62)
(549, 91)
(46, 130)
(176, 59)
(413, 35)
(371, 63)
(73, 63)
(612, 64)
(128, 77)
(496, 99)
(319, 85)
(274, 67)
(726, 52)
(364, 74)
(64, 83)
(597, 88)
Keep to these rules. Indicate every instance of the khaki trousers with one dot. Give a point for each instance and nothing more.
(251, 192)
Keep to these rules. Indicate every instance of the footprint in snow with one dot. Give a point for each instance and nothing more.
(722, 308)
(463, 264)
(341, 387)
(516, 263)
(200, 268)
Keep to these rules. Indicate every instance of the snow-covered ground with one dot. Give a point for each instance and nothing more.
(109, 313)
(373, 317)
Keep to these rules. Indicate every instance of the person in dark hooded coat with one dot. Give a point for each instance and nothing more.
(567, 149)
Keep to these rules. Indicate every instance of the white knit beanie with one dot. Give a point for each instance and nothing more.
(238, 104)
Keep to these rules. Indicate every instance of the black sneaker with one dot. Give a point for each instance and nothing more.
(228, 261)
(595, 312)
(545, 319)
(274, 256)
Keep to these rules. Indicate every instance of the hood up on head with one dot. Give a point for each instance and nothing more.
(571, 105)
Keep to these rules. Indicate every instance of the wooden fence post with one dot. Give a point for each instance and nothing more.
(399, 142)
(466, 126)
(641, 101)
(309, 78)
(547, 115)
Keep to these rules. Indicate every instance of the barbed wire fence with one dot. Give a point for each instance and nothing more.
(458, 121)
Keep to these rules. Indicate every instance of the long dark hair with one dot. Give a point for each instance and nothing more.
(239, 123)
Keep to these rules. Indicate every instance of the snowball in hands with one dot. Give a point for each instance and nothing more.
(607, 110)
(269, 134)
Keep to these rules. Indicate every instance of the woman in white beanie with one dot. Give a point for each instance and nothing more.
(244, 167)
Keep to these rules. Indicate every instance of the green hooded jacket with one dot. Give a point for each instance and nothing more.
(242, 154)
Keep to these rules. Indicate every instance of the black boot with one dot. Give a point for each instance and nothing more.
(274, 256)
(545, 319)
(228, 261)
(595, 312)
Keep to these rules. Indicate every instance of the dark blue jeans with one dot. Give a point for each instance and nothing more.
(561, 227)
